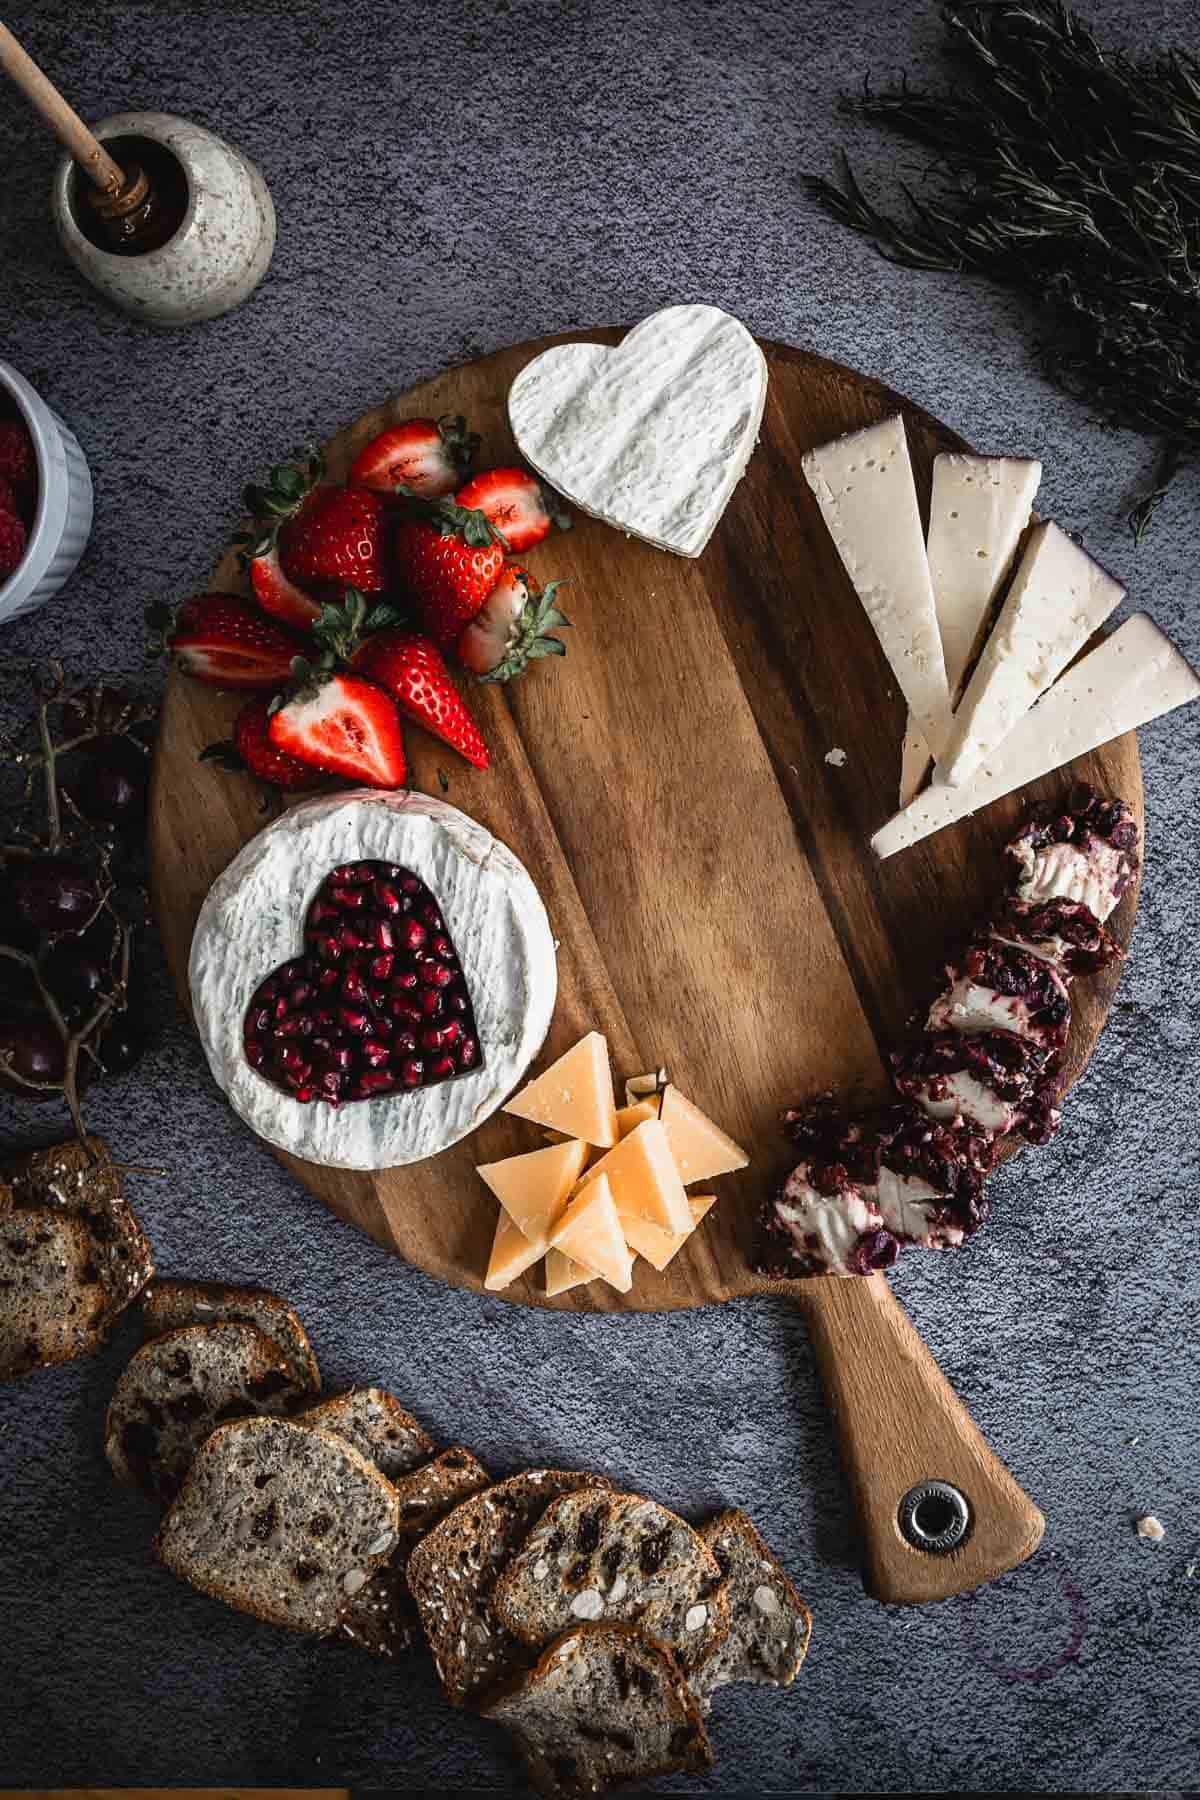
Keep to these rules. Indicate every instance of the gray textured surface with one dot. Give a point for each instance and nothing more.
(448, 181)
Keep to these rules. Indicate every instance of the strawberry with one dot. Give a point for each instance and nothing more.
(414, 673)
(449, 559)
(344, 725)
(252, 749)
(279, 596)
(17, 461)
(226, 641)
(512, 628)
(516, 503)
(424, 456)
(337, 536)
(12, 544)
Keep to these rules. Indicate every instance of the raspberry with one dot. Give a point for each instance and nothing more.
(12, 544)
(17, 461)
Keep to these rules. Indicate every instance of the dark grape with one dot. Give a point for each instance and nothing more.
(54, 894)
(77, 971)
(36, 1050)
(109, 782)
(123, 1043)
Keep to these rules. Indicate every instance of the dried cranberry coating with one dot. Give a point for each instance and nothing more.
(784, 1254)
(1018, 975)
(1065, 932)
(948, 1156)
(1087, 818)
(838, 1149)
(1014, 1069)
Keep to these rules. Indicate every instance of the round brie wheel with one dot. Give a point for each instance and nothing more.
(253, 919)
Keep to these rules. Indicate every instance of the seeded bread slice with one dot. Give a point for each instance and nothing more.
(83, 1182)
(168, 1304)
(52, 1301)
(604, 1705)
(179, 1388)
(279, 1520)
(596, 1555)
(769, 1622)
(377, 1425)
(383, 1617)
(454, 1567)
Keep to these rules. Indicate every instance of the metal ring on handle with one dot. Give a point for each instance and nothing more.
(934, 1517)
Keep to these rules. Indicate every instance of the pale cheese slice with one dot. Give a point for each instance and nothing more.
(644, 1178)
(512, 1254)
(564, 1273)
(1059, 597)
(865, 489)
(590, 1233)
(630, 1117)
(659, 1246)
(1136, 675)
(979, 507)
(533, 1188)
(574, 1095)
(701, 1149)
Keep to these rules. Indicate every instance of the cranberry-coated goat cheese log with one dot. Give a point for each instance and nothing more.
(1062, 932)
(1087, 854)
(996, 987)
(990, 1080)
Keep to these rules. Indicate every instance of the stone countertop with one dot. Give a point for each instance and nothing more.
(446, 183)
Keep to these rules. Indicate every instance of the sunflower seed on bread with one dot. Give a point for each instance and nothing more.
(377, 1425)
(382, 1617)
(769, 1622)
(53, 1304)
(604, 1705)
(169, 1303)
(597, 1555)
(452, 1571)
(82, 1181)
(180, 1387)
(279, 1520)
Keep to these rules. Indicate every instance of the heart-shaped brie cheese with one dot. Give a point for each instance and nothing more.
(654, 435)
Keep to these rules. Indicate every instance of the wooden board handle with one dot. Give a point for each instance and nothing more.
(901, 1427)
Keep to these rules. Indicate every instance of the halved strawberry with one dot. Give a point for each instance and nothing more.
(449, 558)
(346, 726)
(225, 640)
(517, 505)
(511, 629)
(277, 500)
(415, 674)
(251, 749)
(425, 456)
(279, 596)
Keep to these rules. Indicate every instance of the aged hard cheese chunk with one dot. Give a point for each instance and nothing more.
(590, 1233)
(575, 1095)
(701, 1149)
(533, 1189)
(1135, 676)
(979, 508)
(645, 1087)
(563, 1273)
(1058, 598)
(644, 1178)
(630, 1117)
(865, 489)
(512, 1254)
(659, 1246)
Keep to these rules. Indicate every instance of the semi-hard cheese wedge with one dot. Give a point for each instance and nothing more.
(865, 489)
(533, 1188)
(644, 1178)
(979, 507)
(630, 1117)
(1059, 597)
(574, 1095)
(659, 1246)
(564, 1273)
(590, 1233)
(1136, 675)
(512, 1254)
(702, 1151)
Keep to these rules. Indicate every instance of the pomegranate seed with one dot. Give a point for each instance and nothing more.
(268, 989)
(381, 934)
(374, 1052)
(256, 1054)
(457, 1003)
(320, 912)
(280, 1007)
(348, 899)
(331, 1086)
(431, 915)
(292, 971)
(468, 1051)
(405, 981)
(295, 1025)
(380, 967)
(351, 939)
(441, 946)
(451, 1032)
(302, 1091)
(326, 1018)
(404, 1009)
(342, 1057)
(328, 978)
(439, 1070)
(430, 1003)
(354, 1021)
(321, 1046)
(434, 974)
(353, 986)
(302, 992)
(375, 1081)
(327, 946)
(411, 935)
(431, 1039)
(353, 874)
(412, 1071)
(295, 1064)
(408, 883)
(403, 1043)
(385, 898)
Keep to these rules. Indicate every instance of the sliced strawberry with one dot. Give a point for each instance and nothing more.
(279, 596)
(18, 462)
(425, 456)
(449, 558)
(414, 673)
(337, 537)
(225, 640)
(512, 628)
(252, 750)
(516, 503)
(346, 726)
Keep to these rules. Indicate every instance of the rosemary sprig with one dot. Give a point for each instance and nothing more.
(1070, 174)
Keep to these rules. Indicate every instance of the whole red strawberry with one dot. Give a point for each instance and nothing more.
(17, 461)
(449, 559)
(337, 537)
(423, 456)
(252, 749)
(513, 628)
(415, 674)
(13, 539)
(226, 641)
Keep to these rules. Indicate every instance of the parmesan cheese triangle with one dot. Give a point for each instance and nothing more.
(630, 1117)
(562, 1273)
(533, 1188)
(574, 1095)
(659, 1246)
(701, 1149)
(644, 1178)
(512, 1254)
(590, 1233)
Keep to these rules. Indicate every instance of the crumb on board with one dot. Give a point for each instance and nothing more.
(836, 758)
(1150, 1527)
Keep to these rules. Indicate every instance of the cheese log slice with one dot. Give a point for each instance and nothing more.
(659, 1246)
(512, 1254)
(533, 1189)
(644, 1178)
(1059, 597)
(630, 1117)
(574, 1095)
(979, 507)
(1135, 676)
(563, 1273)
(590, 1233)
(701, 1149)
(865, 489)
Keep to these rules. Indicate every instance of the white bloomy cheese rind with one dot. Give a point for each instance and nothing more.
(253, 920)
(654, 435)
(1059, 597)
(864, 487)
(1136, 675)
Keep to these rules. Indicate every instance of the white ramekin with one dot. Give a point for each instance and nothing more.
(63, 519)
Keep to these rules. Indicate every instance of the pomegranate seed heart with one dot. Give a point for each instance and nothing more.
(364, 1011)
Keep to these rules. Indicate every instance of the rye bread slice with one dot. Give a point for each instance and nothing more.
(169, 1303)
(453, 1569)
(52, 1300)
(597, 1555)
(769, 1624)
(84, 1182)
(605, 1705)
(279, 1520)
(382, 1618)
(377, 1425)
(178, 1388)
